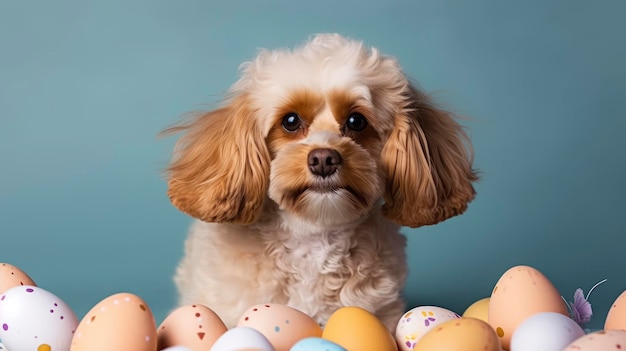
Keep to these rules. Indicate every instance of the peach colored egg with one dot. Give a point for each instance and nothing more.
(121, 322)
(604, 340)
(521, 292)
(478, 310)
(356, 329)
(467, 334)
(282, 325)
(194, 326)
(616, 318)
(417, 322)
(11, 276)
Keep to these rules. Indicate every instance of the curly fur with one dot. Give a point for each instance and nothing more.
(269, 229)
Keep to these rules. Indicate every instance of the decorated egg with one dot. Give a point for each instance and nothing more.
(282, 325)
(32, 318)
(616, 317)
(11, 276)
(478, 310)
(119, 322)
(194, 326)
(419, 321)
(467, 334)
(240, 339)
(354, 328)
(546, 331)
(605, 340)
(316, 344)
(521, 292)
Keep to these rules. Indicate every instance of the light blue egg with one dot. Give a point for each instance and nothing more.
(316, 344)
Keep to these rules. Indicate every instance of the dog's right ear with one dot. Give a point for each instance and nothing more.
(220, 168)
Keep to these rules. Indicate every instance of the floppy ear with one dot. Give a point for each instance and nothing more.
(428, 162)
(220, 169)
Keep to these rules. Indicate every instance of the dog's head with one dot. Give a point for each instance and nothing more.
(325, 131)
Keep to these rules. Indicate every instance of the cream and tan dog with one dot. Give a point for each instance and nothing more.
(301, 180)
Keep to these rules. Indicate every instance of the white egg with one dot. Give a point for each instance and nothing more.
(417, 322)
(546, 331)
(240, 338)
(177, 348)
(32, 318)
(2, 348)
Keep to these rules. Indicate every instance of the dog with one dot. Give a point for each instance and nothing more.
(301, 180)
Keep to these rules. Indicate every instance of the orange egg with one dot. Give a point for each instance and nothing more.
(121, 322)
(467, 334)
(356, 329)
(193, 326)
(521, 292)
(616, 318)
(603, 340)
(11, 276)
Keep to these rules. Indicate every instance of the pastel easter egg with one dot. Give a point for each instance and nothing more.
(467, 334)
(32, 318)
(355, 328)
(177, 348)
(546, 331)
(316, 344)
(121, 322)
(417, 322)
(240, 339)
(194, 326)
(282, 325)
(521, 292)
(11, 276)
(605, 340)
(616, 317)
(478, 310)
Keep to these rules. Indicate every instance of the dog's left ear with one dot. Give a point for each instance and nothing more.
(428, 162)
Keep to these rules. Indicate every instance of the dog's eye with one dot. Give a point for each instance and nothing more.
(356, 122)
(291, 122)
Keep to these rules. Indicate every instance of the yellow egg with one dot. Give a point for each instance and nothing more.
(467, 334)
(616, 318)
(478, 310)
(11, 276)
(521, 292)
(356, 329)
(194, 326)
(282, 325)
(121, 322)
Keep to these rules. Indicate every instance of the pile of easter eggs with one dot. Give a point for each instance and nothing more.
(524, 312)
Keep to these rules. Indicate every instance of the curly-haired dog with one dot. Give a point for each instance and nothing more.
(301, 180)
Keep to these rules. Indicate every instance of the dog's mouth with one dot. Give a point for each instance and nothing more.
(347, 192)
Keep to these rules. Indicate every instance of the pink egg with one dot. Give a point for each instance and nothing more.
(196, 327)
(11, 276)
(616, 318)
(600, 341)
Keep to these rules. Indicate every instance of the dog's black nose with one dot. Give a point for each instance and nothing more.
(324, 162)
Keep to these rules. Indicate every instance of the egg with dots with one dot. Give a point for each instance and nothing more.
(604, 340)
(417, 322)
(616, 317)
(194, 326)
(546, 331)
(32, 318)
(11, 276)
(467, 334)
(282, 325)
(121, 322)
(522, 291)
(356, 329)
(242, 339)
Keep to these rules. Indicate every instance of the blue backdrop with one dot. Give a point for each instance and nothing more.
(85, 87)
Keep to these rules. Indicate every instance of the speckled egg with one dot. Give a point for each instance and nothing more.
(417, 322)
(282, 325)
(11, 276)
(608, 340)
(194, 326)
(32, 318)
(616, 317)
(356, 329)
(121, 322)
(242, 339)
(467, 334)
(478, 310)
(521, 292)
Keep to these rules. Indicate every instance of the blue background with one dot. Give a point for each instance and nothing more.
(86, 86)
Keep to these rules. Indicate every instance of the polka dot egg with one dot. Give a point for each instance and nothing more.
(11, 276)
(119, 322)
(194, 326)
(32, 318)
(417, 322)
